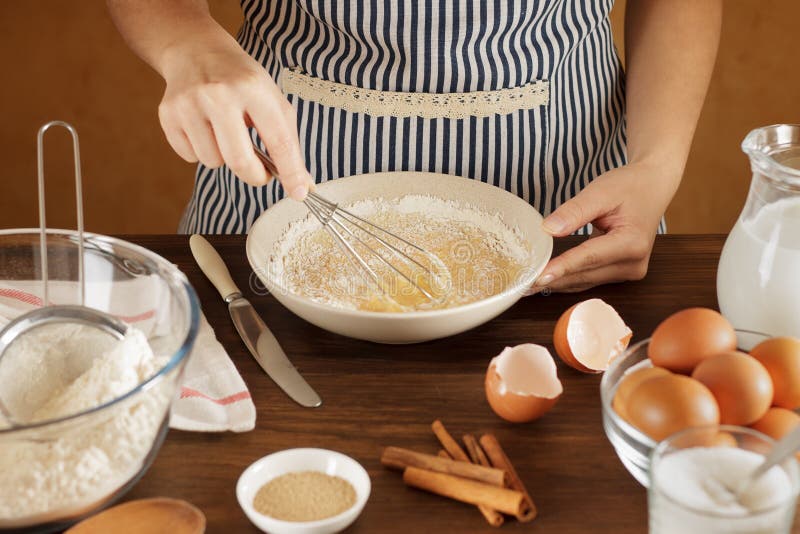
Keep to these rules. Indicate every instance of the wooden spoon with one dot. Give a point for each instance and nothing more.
(145, 516)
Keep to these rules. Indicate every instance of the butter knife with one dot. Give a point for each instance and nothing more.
(256, 336)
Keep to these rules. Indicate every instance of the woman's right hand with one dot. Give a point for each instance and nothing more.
(215, 90)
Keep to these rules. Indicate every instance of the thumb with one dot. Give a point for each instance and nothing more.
(580, 210)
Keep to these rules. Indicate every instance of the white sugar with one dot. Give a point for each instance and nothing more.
(690, 493)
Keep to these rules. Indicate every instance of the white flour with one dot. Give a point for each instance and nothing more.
(71, 368)
(482, 253)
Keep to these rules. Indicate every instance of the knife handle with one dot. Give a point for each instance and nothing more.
(213, 266)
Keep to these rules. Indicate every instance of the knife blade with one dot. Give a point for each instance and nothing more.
(258, 339)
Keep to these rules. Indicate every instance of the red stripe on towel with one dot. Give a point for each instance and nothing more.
(136, 318)
(22, 296)
(187, 393)
(30, 298)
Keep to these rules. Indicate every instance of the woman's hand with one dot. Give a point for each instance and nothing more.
(670, 48)
(624, 206)
(214, 92)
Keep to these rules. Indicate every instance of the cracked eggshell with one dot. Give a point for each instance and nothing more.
(522, 383)
(589, 335)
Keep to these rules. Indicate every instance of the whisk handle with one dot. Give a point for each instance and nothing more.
(213, 266)
(269, 165)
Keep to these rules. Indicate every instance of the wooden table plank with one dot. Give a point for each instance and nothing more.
(376, 395)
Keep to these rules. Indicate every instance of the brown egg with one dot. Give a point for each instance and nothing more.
(777, 422)
(589, 335)
(628, 383)
(740, 384)
(663, 405)
(687, 337)
(781, 357)
(522, 383)
(711, 438)
(724, 439)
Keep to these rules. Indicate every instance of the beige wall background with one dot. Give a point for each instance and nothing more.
(63, 59)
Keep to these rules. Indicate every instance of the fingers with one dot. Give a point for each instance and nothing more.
(593, 201)
(608, 249)
(176, 137)
(201, 135)
(209, 123)
(179, 142)
(608, 274)
(275, 121)
(233, 139)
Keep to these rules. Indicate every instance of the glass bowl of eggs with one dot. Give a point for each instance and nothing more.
(697, 370)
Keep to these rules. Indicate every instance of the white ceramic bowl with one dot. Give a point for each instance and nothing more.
(291, 460)
(403, 327)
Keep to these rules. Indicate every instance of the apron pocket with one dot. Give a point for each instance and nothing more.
(499, 137)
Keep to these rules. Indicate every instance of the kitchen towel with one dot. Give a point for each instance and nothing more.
(212, 397)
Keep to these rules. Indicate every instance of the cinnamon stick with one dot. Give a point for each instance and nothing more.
(505, 500)
(397, 458)
(450, 445)
(500, 460)
(475, 451)
(444, 454)
(476, 454)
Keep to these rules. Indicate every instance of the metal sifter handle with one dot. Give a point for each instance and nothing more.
(42, 211)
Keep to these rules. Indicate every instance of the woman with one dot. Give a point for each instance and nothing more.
(528, 95)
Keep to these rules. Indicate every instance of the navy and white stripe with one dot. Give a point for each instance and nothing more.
(545, 154)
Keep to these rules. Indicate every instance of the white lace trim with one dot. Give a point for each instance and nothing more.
(425, 105)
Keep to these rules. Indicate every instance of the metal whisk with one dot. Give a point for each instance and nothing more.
(349, 231)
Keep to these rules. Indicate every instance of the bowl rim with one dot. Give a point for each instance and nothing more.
(281, 524)
(179, 355)
(518, 287)
(607, 390)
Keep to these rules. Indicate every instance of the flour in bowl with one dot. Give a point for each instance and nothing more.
(58, 370)
(483, 255)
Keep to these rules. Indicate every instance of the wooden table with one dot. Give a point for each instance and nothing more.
(379, 395)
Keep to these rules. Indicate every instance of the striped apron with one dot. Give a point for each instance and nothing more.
(527, 95)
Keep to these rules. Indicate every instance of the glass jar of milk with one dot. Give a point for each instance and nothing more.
(758, 281)
(690, 476)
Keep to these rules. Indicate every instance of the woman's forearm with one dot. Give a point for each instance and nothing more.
(670, 48)
(151, 28)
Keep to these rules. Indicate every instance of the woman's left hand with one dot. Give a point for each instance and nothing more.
(624, 206)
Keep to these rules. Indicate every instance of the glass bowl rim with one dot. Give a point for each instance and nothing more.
(795, 483)
(178, 356)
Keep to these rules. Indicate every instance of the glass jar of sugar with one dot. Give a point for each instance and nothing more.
(690, 480)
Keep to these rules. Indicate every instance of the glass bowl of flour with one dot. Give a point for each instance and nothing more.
(83, 412)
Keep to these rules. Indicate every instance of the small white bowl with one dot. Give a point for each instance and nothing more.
(292, 460)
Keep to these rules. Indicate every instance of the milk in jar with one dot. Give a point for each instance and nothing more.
(758, 280)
